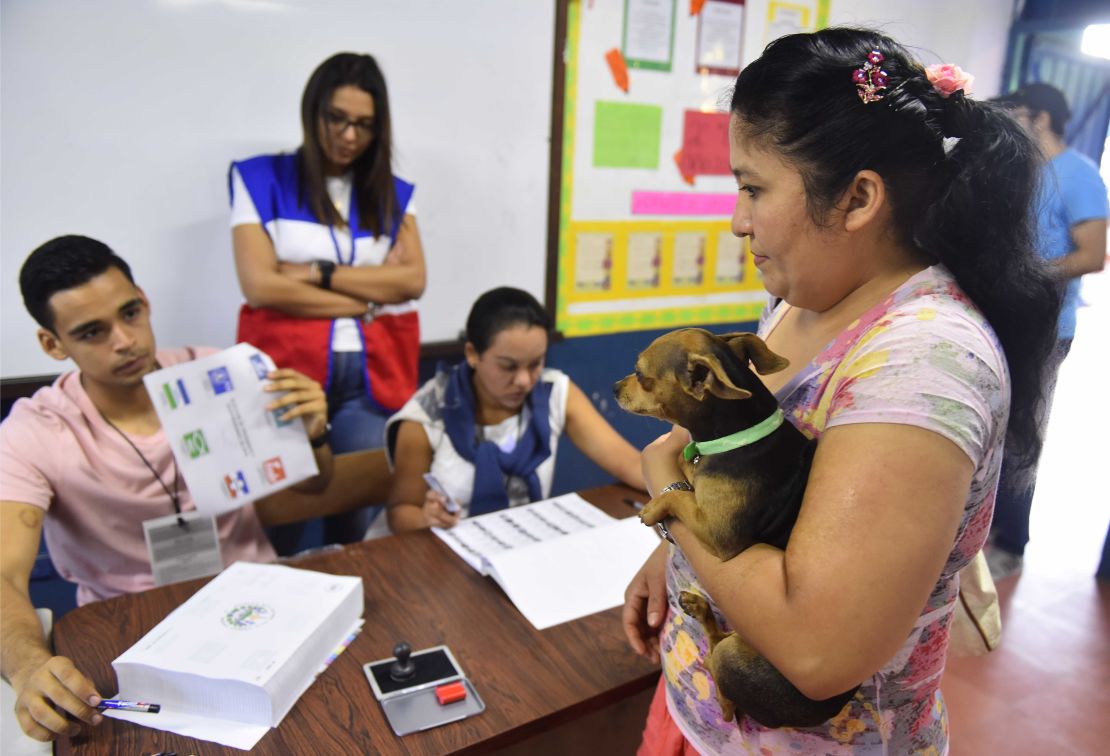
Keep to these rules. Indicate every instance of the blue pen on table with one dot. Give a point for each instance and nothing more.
(118, 705)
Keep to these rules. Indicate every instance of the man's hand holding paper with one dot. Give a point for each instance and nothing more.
(234, 441)
(303, 397)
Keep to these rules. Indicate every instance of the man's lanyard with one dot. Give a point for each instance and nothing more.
(175, 496)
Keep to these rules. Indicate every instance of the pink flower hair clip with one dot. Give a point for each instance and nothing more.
(870, 78)
(948, 79)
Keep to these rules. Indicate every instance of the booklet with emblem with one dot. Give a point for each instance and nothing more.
(597, 556)
(229, 663)
(230, 449)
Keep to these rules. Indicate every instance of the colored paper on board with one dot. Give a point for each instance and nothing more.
(627, 135)
(688, 178)
(696, 6)
(682, 203)
(618, 68)
(704, 144)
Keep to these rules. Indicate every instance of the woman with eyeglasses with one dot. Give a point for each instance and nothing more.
(330, 262)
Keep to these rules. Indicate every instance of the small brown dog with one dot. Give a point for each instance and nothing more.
(745, 491)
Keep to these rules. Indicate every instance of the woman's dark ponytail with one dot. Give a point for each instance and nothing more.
(980, 226)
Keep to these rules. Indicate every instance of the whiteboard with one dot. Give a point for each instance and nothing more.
(119, 119)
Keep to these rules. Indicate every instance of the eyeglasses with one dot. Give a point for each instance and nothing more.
(337, 123)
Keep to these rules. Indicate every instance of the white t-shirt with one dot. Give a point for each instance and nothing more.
(300, 242)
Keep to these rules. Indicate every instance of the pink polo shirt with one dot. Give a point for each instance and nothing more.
(58, 453)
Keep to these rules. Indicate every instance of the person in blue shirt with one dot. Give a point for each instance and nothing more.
(1071, 222)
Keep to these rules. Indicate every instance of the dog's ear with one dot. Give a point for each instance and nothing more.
(705, 374)
(748, 346)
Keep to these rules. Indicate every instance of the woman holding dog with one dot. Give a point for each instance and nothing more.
(890, 214)
(488, 428)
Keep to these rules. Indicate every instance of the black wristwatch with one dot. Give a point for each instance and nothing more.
(324, 438)
(326, 268)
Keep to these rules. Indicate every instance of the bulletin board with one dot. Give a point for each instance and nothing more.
(646, 193)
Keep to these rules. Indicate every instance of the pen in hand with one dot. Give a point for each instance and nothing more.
(634, 504)
(118, 705)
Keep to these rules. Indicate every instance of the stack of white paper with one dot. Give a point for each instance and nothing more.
(230, 449)
(230, 662)
(557, 559)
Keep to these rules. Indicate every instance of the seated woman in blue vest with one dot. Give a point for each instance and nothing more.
(488, 429)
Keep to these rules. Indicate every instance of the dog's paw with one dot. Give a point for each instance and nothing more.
(728, 711)
(654, 512)
(693, 604)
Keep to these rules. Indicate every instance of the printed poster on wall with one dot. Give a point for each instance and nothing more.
(794, 17)
(720, 31)
(593, 262)
(648, 39)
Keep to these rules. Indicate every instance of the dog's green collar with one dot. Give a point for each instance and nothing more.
(696, 449)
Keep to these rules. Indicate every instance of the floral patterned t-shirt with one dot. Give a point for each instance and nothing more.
(925, 356)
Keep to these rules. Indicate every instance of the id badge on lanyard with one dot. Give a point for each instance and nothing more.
(182, 547)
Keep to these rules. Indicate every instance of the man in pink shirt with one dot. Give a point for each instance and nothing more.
(85, 462)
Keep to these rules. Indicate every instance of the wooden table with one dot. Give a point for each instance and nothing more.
(416, 590)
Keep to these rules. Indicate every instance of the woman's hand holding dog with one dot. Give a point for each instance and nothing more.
(659, 459)
(645, 599)
(645, 605)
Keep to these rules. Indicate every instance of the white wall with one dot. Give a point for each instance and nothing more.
(119, 118)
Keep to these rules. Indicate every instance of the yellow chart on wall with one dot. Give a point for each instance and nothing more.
(633, 275)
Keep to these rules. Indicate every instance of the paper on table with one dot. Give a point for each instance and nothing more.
(230, 449)
(476, 539)
(223, 731)
(231, 661)
(566, 578)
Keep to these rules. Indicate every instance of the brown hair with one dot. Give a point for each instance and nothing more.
(373, 169)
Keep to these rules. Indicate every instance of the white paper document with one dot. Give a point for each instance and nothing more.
(557, 559)
(476, 539)
(230, 449)
(229, 663)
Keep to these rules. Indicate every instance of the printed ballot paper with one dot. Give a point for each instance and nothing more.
(230, 449)
(229, 663)
(557, 559)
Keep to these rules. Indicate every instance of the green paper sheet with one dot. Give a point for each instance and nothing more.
(627, 135)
